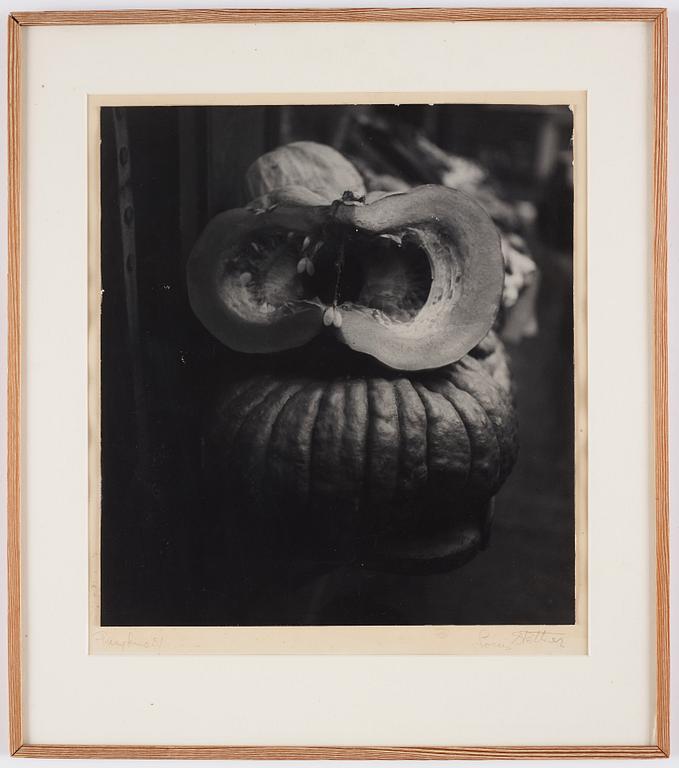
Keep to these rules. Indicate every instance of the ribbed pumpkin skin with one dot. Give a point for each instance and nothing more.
(349, 457)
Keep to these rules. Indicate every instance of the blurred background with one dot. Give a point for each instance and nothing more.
(165, 171)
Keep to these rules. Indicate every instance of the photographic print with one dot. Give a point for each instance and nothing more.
(336, 368)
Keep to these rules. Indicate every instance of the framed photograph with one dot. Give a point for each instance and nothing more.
(338, 393)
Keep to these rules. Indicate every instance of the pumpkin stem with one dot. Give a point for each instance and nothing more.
(339, 264)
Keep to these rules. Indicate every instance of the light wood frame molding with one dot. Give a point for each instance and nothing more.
(657, 17)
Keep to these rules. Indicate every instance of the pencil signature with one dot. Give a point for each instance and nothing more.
(521, 638)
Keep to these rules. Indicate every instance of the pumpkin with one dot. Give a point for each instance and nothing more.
(412, 279)
(315, 167)
(346, 458)
(387, 419)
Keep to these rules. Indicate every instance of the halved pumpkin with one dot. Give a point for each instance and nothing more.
(413, 279)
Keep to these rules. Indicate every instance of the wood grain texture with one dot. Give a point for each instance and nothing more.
(334, 753)
(661, 383)
(14, 383)
(659, 19)
(244, 16)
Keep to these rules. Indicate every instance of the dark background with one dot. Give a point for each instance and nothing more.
(160, 562)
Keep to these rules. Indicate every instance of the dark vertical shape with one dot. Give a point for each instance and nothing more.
(192, 170)
(344, 124)
(236, 137)
(273, 125)
(126, 212)
(150, 558)
(166, 487)
(430, 120)
(286, 122)
(121, 545)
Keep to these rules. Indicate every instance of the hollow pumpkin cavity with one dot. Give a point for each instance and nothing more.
(388, 273)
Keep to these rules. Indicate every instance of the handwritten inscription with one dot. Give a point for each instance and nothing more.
(488, 640)
(130, 643)
(520, 638)
(538, 637)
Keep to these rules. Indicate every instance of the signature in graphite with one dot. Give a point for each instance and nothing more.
(538, 636)
(521, 637)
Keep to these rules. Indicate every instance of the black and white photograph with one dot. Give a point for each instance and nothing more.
(337, 365)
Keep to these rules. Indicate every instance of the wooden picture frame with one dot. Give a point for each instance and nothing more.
(17, 24)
